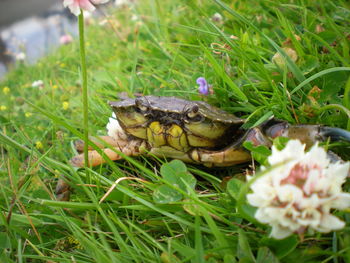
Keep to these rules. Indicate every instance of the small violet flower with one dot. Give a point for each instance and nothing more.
(299, 190)
(87, 5)
(203, 86)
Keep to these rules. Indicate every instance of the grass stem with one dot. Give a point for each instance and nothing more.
(84, 90)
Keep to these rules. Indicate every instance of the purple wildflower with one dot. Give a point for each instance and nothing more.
(203, 86)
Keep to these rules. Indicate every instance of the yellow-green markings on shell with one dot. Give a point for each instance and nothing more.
(139, 132)
(132, 122)
(129, 117)
(176, 138)
(209, 129)
(155, 134)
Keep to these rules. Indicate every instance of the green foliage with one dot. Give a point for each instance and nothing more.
(281, 248)
(171, 215)
(259, 153)
(176, 176)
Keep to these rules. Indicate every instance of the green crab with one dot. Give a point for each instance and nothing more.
(192, 131)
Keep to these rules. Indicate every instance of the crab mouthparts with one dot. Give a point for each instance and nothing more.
(166, 118)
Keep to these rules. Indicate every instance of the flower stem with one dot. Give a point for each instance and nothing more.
(84, 90)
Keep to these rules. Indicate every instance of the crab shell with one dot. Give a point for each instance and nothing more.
(176, 123)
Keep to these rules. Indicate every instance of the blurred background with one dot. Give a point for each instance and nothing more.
(30, 29)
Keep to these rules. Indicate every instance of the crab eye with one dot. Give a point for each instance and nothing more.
(141, 105)
(193, 114)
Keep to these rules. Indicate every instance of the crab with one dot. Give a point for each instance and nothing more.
(192, 131)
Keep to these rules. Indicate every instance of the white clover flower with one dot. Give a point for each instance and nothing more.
(299, 191)
(135, 18)
(217, 17)
(114, 129)
(21, 56)
(38, 84)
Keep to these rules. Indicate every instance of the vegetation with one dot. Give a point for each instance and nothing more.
(162, 47)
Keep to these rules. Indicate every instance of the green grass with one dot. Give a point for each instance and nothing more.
(163, 53)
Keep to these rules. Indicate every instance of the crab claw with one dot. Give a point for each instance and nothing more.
(335, 134)
(307, 134)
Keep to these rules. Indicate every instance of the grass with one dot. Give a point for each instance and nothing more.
(163, 52)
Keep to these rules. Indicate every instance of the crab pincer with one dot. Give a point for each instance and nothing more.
(307, 133)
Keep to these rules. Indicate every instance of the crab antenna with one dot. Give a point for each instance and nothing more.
(335, 134)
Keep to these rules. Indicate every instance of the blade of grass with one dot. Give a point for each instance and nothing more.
(84, 91)
(220, 237)
(317, 75)
(198, 241)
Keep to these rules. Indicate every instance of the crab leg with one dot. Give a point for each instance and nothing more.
(121, 144)
(129, 148)
(263, 135)
(229, 156)
(108, 140)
